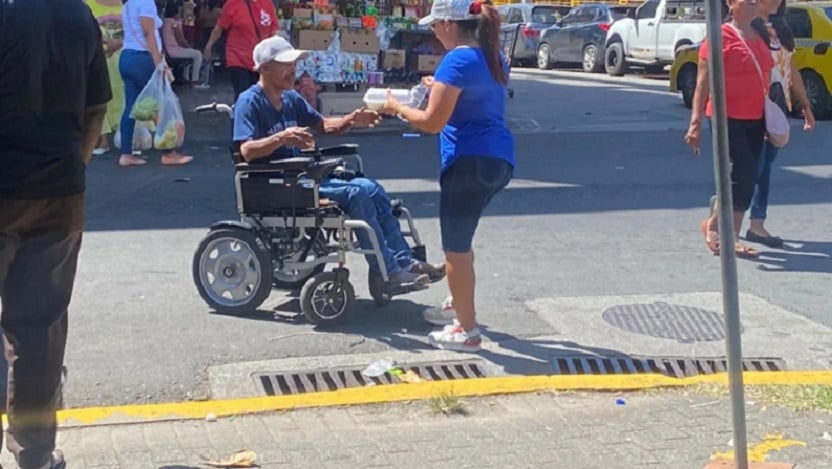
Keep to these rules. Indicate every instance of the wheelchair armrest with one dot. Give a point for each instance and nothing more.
(295, 164)
(323, 168)
(348, 149)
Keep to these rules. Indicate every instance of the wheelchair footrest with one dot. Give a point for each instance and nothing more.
(403, 289)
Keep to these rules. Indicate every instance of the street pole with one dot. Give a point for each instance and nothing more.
(722, 171)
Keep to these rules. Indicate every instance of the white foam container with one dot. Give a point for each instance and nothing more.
(376, 98)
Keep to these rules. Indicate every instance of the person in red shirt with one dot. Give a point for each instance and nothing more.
(247, 23)
(745, 46)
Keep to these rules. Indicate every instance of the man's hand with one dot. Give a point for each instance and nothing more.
(363, 118)
(299, 137)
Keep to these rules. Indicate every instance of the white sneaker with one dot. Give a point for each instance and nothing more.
(454, 337)
(443, 315)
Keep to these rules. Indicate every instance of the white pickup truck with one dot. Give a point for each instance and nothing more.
(651, 38)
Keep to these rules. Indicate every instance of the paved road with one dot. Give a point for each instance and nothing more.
(606, 201)
(525, 431)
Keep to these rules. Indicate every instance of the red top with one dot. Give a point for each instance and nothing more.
(242, 37)
(745, 92)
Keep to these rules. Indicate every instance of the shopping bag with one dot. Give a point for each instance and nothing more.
(142, 137)
(146, 107)
(170, 127)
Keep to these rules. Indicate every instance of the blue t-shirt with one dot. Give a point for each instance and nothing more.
(255, 117)
(477, 126)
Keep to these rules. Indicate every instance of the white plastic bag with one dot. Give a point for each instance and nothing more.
(148, 103)
(170, 127)
(777, 124)
(142, 137)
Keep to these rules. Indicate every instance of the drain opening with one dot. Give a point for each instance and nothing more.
(669, 366)
(285, 384)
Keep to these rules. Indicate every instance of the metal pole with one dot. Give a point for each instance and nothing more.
(722, 171)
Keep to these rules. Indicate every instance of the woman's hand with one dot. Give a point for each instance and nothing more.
(808, 117)
(392, 107)
(428, 81)
(694, 136)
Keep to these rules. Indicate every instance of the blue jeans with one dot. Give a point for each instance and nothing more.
(759, 202)
(354, 197)
(389, 223)
(136, 68)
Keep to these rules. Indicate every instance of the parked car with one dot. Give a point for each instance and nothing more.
(530, 19)
(811, 24)
(653, 37)
(579, 36)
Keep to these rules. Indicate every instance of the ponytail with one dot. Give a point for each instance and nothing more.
(487, 31)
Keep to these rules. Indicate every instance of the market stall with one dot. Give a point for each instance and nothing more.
(356, 44)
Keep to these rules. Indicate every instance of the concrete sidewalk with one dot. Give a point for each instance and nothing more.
(662, 429)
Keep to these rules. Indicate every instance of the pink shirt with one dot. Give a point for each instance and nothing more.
(168, 36)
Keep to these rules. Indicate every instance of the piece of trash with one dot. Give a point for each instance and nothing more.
(620, 401)
(408, 135)
(211, 418)
(182, 180)
(410, 377)
(378, 368)
(827, 436)
(731, 443)
(242, 458)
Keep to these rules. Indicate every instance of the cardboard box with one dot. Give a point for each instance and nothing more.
(359, 40)
(312, 39)
(393, 59)
(340, 104)
(428, 63)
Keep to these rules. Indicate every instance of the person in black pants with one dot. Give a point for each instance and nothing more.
(54, 88)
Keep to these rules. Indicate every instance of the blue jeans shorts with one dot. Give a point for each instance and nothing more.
(467, 188)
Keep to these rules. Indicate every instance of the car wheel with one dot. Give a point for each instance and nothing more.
(544, 58)
(614, 60)
(817, 92)
(686, 83)
(592, 63)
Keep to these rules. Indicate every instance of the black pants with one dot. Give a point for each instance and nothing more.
(39, 245)
(745, 144)
(241, 80)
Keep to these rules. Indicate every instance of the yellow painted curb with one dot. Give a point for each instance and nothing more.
(419, 391)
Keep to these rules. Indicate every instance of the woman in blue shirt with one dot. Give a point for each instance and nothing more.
(467, 107)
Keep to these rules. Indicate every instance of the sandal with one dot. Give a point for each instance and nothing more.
(711, 237)
(745, 252)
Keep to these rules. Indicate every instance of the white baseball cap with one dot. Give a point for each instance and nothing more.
(276, 49)
(449, 10)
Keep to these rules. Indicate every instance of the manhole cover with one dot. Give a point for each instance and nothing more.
(685, 324)
(676, 367)
(300, 382)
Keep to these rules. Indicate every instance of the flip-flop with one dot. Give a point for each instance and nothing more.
(745, 252)
(711, 237)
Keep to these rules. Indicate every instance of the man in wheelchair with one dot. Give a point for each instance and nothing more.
(272, 121)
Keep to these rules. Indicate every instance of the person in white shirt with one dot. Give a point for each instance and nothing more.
(141, 54)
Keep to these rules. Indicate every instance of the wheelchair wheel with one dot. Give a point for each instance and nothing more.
(292, 280)
(378, 289)
(326, 301)
(232, 271)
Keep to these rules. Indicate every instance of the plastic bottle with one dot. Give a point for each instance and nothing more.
(418, 94)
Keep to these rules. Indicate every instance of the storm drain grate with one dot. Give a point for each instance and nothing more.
(301, 382)
(670, 366)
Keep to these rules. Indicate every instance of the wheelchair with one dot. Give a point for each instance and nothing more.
(286, 236)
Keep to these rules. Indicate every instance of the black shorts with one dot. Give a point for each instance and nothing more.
(466, 189)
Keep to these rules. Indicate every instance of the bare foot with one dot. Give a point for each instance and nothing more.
(130, 160)
(176, 159)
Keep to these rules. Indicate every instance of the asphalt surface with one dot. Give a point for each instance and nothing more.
(607, 201)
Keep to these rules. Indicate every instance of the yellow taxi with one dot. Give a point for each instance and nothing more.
(811, 24)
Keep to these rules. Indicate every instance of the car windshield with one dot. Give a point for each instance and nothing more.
(545, 15)
(828, 12)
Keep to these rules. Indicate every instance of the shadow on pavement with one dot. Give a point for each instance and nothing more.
(798, 256)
